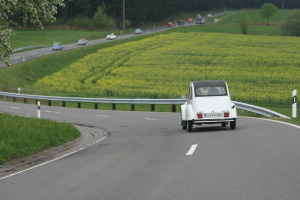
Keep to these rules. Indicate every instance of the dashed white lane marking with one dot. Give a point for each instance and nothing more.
(192, 149)
(50, 111)
(150, 119)
(14, 107)
(102, 116)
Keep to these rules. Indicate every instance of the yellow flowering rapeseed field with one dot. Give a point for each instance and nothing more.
(258, 69)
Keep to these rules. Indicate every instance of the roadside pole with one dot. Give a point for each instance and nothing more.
(294, 104)
(38, 109)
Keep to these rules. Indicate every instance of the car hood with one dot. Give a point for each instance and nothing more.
(212, 104)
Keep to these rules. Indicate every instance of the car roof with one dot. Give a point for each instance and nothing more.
(210, 83)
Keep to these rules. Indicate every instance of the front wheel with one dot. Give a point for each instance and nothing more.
(189, 126)
(233, 124)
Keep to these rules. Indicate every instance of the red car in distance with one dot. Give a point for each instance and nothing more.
(190, 20)
(170, 25)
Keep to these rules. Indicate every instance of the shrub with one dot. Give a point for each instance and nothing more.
(243, 24)
(291, 26)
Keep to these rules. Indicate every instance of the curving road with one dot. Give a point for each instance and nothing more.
(147, 156)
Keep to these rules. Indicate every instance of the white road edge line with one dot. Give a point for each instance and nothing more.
(192, 149)
(281, 122)
(5, 177)
(102, 116)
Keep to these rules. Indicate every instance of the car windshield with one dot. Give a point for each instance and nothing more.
(211, 91)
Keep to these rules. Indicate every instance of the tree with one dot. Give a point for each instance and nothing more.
(21, 14)
(291, 26)
(267, 10)
(101, 19)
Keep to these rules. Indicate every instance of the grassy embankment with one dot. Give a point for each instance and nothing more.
(23, 136)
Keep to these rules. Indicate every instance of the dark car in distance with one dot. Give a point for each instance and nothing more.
(180, 22)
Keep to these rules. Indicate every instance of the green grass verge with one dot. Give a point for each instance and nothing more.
(22, 136)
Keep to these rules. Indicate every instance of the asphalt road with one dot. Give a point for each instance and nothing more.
(148, 156)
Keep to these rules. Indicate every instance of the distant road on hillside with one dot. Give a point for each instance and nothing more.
(27, 55)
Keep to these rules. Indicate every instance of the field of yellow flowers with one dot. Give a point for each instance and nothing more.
(258, 69)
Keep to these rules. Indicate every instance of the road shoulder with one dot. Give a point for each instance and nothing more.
(89, 136)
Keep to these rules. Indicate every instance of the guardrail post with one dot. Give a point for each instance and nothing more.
(14, 99)
(152, 107)
(79, 105)
(173, 108)
(25, 100)
(49, 102)
(132, 107)
(96, 106)
(114, 106)
(64, 104)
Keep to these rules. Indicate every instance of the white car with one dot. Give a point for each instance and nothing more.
(208, 103)
(111, 36)
(82, 41)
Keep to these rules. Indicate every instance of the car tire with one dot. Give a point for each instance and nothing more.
(233, 124)
(190, 126)
(184, 124)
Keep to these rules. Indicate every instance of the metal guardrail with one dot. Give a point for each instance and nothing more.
(152, 102)
(259, 110)
(31, 47)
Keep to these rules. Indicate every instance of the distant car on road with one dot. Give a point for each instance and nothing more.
(209, 15)
(190, 20)
(138, 31)
(208, 103)
(57, 47)
(180, 22)
(170, 25)
(82, 41)
(111, 36)
(200, 21)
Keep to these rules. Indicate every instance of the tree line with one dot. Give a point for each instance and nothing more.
(143, 11)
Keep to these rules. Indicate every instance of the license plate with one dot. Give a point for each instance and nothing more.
(213, 115)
